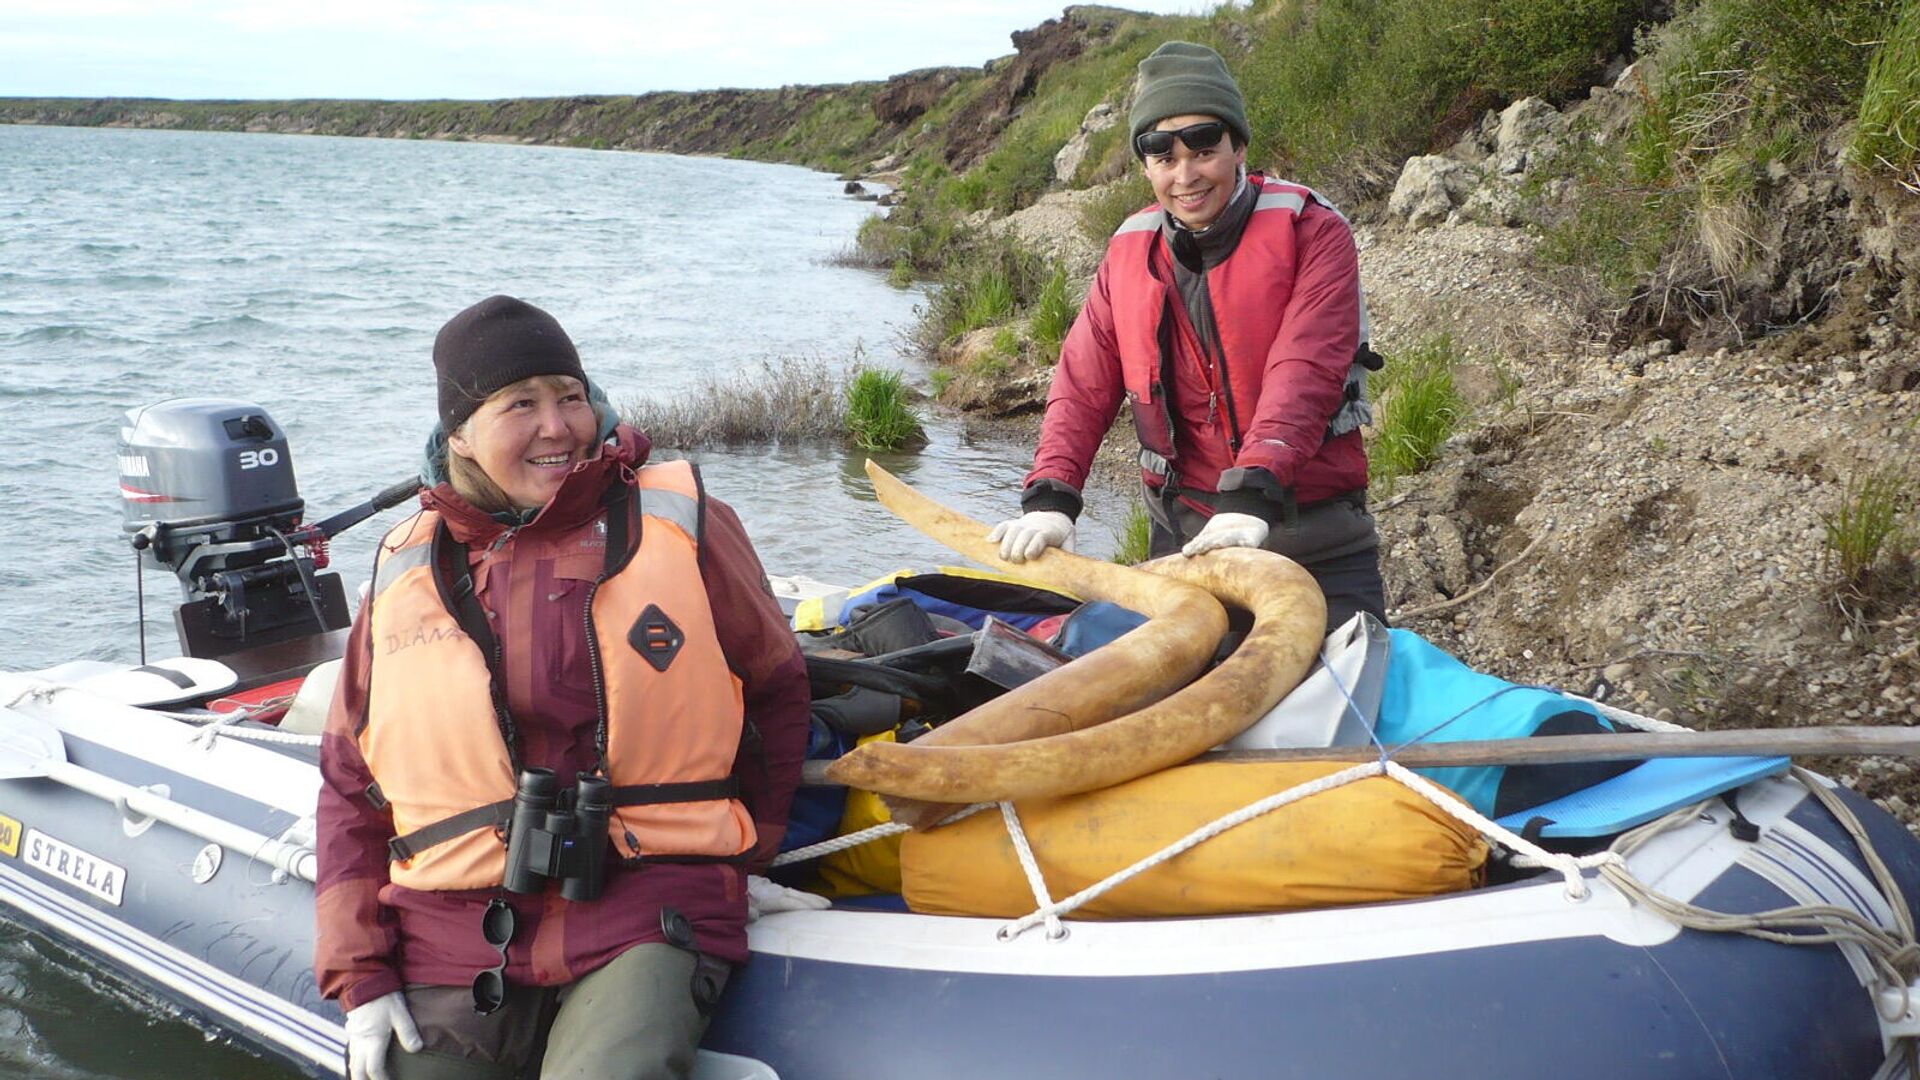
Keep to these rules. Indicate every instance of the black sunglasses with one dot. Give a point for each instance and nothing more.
(490, 986)
(1202, 136)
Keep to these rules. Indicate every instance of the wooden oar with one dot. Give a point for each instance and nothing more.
(1856, 741)
(31, 747)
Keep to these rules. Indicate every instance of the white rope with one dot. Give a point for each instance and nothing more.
(1572, 869)
(866, 835)
(839, 843)
(288, 738)
(1631, 719)
(1048, 912)
(211, 729)
(41, 692)
(217, 725)
(1893, 952)
(1197, 836)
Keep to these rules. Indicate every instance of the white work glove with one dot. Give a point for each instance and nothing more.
(1026, 536)
(1228, 530)
(765, 897)
(370, 1027)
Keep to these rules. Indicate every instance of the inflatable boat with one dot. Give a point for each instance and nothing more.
(158, 818)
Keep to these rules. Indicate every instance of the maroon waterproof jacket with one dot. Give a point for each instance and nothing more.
(1288, 309)
(373, 936)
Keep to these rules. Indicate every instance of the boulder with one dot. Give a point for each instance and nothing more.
(1526, 127)
(1496, 202)
(1066, 163)
(1429, 188)
(1475, 144)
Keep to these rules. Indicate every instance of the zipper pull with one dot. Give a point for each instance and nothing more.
(1213, 405)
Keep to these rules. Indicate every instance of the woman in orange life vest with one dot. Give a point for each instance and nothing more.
(569, 725)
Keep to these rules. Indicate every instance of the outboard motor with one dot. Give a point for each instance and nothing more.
(208, 489)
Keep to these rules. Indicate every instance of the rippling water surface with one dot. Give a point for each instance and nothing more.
(309, 275)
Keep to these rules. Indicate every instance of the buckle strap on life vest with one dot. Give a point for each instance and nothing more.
(494, 815)
(683, 791)
(497, 814)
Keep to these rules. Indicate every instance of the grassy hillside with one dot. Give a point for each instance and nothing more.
(1730, 188)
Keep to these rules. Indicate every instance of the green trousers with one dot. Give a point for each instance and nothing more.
(638, 1018)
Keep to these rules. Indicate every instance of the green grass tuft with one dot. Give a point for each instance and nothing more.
(1671, 218)
(879, 415)
(1131, 546)
(1419, 408)
(987, 298)
(983, 283)
(1889, 134)
(1053, 315)
(1868, 521)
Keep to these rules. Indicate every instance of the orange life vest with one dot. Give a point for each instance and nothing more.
(669, 704)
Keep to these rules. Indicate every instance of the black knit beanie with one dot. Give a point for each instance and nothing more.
(496, 343)
(1180, 79)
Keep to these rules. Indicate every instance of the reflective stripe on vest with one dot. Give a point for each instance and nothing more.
(435, 748)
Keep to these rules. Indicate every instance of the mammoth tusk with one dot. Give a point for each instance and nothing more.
(1058, 734)
(1184, 626)
(1289, 615)
(1183, 629)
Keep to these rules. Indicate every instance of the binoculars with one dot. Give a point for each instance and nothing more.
(557, 835)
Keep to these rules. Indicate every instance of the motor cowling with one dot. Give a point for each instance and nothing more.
(207, 490)
(195, 469)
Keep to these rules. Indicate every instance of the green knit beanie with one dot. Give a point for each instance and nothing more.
(1182, 78)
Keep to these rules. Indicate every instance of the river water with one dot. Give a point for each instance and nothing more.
(309, 275)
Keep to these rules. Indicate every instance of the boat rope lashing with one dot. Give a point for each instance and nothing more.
(840, 843)
(285, 738)
(1631, 719)
(855, 839)
(1893, 952)
(37, 691)
(215, 725)
(1048, 912)
(1572, 869)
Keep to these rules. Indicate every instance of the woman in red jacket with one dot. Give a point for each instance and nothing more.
(569, 725)
(1229, 318)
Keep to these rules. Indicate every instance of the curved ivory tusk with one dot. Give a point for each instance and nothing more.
(1184, 628)
(1041, 741)
(1289, 616)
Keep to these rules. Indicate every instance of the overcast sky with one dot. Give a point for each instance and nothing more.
(448, 49)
